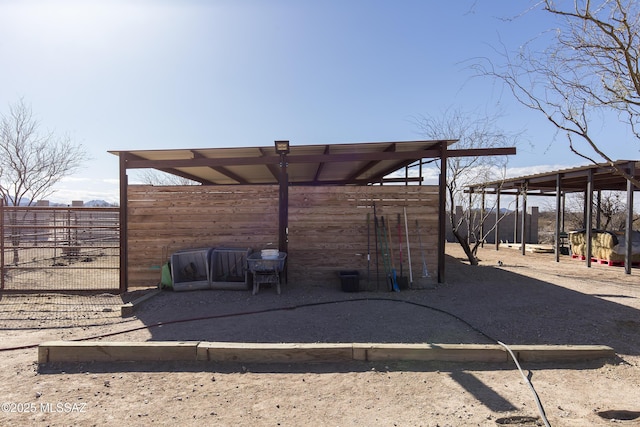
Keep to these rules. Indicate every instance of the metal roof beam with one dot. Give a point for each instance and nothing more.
(273, 167)
(354, 176)
(311, 158)
(316, 177)
(172, 171)
(221, 169)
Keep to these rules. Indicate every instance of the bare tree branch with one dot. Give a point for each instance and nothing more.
(156, 177)
(589, 69)
(473, 131)
(31, 162)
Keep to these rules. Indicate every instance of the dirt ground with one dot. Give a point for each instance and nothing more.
(520, 300)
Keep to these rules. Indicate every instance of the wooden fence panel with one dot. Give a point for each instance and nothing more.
(328, 230)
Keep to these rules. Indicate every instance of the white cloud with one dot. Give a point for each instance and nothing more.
(515, 172)
(74, 179)
(86, 189)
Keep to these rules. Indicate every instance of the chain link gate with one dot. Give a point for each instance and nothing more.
(46, 248)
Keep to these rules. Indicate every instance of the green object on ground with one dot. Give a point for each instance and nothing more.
(166, 281)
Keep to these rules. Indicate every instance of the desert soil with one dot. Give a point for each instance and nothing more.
(527, 299)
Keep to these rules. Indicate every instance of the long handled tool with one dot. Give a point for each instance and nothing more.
(406, 230)
(384, 251)
(425, 272)
(368, 251)
(394, 278)
(400, 247)
(376, 239)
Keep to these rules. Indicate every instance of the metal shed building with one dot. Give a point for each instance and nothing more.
(315, 201)
(590, 180)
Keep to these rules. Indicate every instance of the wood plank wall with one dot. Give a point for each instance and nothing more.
(328, 230)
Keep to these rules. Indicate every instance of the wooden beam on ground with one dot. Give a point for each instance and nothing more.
(485, 353)
(274, 353)
(561, 353)
(129, 308)
(86, 351)
(430, 352)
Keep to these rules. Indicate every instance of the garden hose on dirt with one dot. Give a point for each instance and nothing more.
(294, 307)
(266, 310)
(543, 415)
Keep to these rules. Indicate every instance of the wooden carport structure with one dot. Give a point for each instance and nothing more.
(586, 179)
(285, 165)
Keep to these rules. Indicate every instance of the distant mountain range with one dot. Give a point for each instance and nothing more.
(90, 203)
(99, 204)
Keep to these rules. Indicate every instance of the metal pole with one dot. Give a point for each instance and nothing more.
(468, 215)
(124, 185)
(482, 213)
(284, 203)
(442, 214)
(629, 221)
(598, 209)
(564, 202)
(496, 232)
(524, 219)
(558, 207)
(283, 218)
(589, 216)
(516, 212)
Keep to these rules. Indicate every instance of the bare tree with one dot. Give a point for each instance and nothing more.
(611, 205)
(473, 131)
(32, 162)
(588, 72)
(156, 177)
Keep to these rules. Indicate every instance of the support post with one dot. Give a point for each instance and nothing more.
(468, 217)
(598, 209)
(283, 197)
(516, 212)
(564, 210)
(124, 219)
(523, 228)
(589, 216)
(558, 219)
(442, 214)
(482, 214)
(629, 221)
(496, 232)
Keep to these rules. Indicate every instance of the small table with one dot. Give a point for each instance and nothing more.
(266, 270)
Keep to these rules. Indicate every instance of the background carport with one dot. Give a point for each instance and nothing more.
(358, 164)
(586, 179)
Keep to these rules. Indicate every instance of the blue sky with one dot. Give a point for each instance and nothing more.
(174, 74)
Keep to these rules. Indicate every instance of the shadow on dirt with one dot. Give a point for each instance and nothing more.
(478, 304)
(459, 372)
